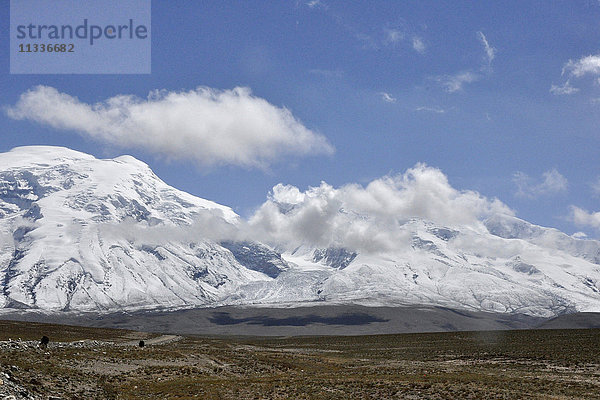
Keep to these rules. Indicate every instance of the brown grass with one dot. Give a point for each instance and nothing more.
(534, 364)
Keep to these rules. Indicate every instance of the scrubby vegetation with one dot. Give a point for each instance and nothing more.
(109, 364)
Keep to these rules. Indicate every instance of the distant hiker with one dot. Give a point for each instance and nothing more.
(44, 342)
(142, 344)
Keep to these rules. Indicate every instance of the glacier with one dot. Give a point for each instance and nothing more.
(84, 234)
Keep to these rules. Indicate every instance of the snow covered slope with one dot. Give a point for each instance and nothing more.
(457, 269)
(77, 236)
(79, 233)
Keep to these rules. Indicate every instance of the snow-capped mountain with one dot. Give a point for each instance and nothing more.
(77, 236)
(545, 275)
(80, 233)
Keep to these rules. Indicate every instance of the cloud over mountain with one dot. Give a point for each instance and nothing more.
(368, 218)
(581, 217)
(208, 126)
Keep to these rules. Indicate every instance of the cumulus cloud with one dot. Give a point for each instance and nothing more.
(388, 98)
(552, 183)
(581, 217)
(579, 235)
(585, 66)
(490, 52)
(589, 65)
(368, 218)
(208, 126)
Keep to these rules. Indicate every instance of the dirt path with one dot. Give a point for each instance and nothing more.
(163, 339)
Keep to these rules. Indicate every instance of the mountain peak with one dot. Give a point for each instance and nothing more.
(24, 155)
(51, 154)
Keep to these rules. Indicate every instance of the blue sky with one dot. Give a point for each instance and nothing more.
(503, 97)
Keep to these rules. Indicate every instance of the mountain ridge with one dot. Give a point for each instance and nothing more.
(84, 234)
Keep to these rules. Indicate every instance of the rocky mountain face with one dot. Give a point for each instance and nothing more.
(84, 234)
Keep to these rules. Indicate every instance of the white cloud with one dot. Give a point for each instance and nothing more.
(584, 66)
(436, 110)
(565, 89)
(208, 126)
(418, 45)
(316, 4)
(393, 35)
(388, 98)
(207, 224)
(579, 235)
(581, 217)
(589, 65)
(455, 83)
(490, 52)
(368, 218)
(552, 183)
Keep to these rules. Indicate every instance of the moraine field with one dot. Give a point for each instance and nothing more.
(98, 363)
